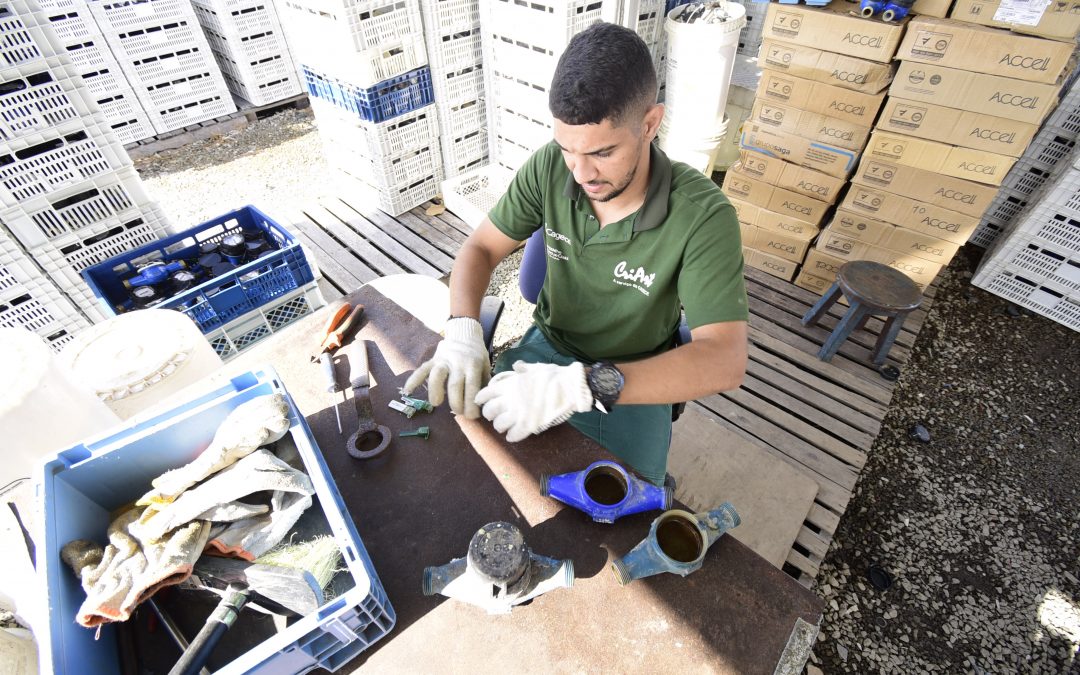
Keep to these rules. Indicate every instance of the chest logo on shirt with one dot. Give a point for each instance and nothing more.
(554, 252)
(636, 278)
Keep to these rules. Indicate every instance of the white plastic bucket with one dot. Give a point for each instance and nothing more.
(42, 408)
(698, 151)
(136, 360)
(700, 59)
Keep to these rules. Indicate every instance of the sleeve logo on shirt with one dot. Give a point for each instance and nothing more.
(634, 278)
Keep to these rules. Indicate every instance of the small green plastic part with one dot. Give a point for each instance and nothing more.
(422, 432)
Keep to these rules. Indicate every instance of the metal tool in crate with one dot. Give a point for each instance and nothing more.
(236, 263)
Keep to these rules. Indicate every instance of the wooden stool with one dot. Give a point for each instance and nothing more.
(871, 289)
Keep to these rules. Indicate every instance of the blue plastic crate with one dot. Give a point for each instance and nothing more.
(221, 299)
(387, 99)
(83, 484)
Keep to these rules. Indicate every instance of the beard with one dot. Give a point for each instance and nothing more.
(617, 189)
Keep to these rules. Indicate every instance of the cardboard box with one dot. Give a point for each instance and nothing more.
(938, 8)
(833, 160)
(894, 241)
(910, 213)
(835, 102)
(760, 193)
(966, 46)
(989, 94)
(813, 64)
(809, 125)
(857, 227)
(822, 265)
(820, 186)
(780, 245)
(955, 194)
(1059, 20)
(758, 216)
(769, 263)
(833, 29)
(976, 165)
(812, 283)
(956, 127)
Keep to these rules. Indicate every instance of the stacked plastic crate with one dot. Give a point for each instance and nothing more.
(166, 59)
(1043, 159)
(365, 68)
(249, 45)
(69, 196)
(77, 35)
(1037, 264)
(452, 31)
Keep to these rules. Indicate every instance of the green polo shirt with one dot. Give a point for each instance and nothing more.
(615, 293)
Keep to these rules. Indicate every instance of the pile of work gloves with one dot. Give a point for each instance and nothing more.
(196, 507)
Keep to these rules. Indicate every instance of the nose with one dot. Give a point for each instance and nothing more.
(584, 171)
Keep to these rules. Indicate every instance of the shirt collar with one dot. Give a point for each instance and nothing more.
(655, 208)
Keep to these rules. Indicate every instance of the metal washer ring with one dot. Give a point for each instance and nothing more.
(384, 442)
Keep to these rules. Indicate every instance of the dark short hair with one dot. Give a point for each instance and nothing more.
(606, 72)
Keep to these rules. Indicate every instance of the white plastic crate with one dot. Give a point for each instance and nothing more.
(548, 24)
(472, 195)
(416, 129)
(463, 150)
(105, 81)
(38, 164)
(191, 112)
(229, 19)
(119, 16)
(1040, 263)
(383, 172)
(450, 15)
(267, 69)
(460, 86)
(524, 131)
(37, 97)
(264, 93)
(167, 67)
(454, 50)
(453, 170)
(460, 118)
(360, 68)
(70, 25)
(63, 258)
(260, 323)
(519, 60)
(249, 47)
(15, 267)
(401, 198)
(90, 55)
(148, 41)
(524, 99)
(125, 116)
(23, 40)
(509, 153)
(194, 87)
(1030, 293)
(41, 308)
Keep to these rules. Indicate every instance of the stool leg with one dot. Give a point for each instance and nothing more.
(843, 329)
(887, 337)
(821, 306)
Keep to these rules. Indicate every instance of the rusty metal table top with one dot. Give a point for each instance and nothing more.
(419, 504)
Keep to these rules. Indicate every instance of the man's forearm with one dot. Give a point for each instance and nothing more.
(709, 364)
(469, 280)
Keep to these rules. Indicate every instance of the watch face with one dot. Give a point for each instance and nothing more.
(608, 380)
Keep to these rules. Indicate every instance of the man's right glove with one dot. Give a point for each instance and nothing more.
(460, 368)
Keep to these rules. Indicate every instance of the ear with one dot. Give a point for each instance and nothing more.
(653, 116)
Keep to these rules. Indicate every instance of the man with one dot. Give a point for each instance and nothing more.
(629, 236)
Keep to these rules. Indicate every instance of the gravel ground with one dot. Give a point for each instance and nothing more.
(979, 527)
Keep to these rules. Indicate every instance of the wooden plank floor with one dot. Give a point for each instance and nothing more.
(822, 418)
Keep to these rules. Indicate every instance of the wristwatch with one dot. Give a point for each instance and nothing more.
(606, 384)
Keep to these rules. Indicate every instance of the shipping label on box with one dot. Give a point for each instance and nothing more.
(830, 159)
(1058, 19)
(813, 64)
(782, 245)
(955, 194)
(993, 95)
(788, 176)
(976, 165)
(764, 218)
(836, 102)
(797, 205)
(910, 213)
(809, 125)
(822, 265)
(956, 127)
(834, 30)
(955, 44)
(770, 264)
(812, 282)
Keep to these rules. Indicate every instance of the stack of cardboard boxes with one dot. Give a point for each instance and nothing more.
(964, 104)
(810, 122)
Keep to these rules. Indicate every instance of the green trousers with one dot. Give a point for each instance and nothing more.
(639, 435)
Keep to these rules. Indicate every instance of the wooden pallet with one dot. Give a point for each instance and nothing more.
(822, 418)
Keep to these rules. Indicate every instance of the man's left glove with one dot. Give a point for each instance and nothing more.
(533, 397)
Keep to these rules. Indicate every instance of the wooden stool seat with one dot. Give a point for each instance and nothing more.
(871, 289)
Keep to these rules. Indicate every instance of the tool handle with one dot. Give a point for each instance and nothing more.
(341, 333)
(360, 367)
(223, 617)
(327, 363)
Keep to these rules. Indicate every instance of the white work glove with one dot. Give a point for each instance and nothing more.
(533, 397)
(459, 368)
